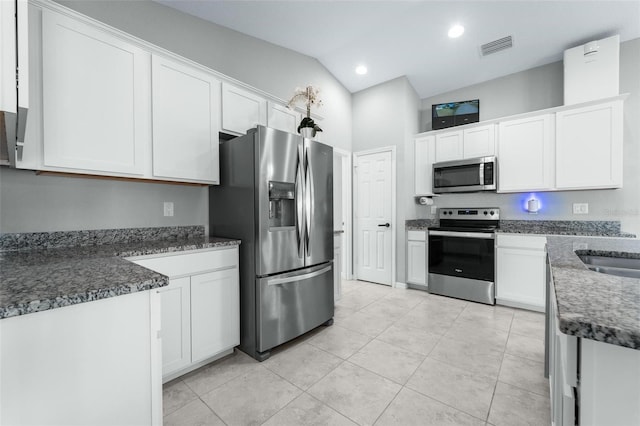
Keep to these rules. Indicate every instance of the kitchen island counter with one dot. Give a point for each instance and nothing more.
(593, 305)
(38, 279)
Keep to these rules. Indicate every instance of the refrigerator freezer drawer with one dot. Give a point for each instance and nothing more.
(293, 303)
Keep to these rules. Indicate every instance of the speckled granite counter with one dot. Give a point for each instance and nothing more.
(37, 279)
(420, 224)
(594, 228)
(593, 305)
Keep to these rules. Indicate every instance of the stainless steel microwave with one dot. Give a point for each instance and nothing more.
(470, 175)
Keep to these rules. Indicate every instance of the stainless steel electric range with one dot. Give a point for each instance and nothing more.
(462, 254)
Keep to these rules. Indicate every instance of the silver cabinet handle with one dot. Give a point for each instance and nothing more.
(313, 274)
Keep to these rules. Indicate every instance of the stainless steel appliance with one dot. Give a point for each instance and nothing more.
(470, 175)
(275, 195)
(462, 254)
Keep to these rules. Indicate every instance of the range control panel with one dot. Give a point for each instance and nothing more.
(476, 213)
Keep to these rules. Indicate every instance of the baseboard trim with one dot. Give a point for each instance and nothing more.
(398, 284)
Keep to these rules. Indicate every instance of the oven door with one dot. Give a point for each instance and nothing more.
(462, 254)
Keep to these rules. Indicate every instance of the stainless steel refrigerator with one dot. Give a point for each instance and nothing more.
(275, 195)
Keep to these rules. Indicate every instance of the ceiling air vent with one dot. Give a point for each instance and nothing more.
(496, 46)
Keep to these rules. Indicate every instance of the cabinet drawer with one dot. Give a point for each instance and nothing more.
(176, 265)
(416, 236)
(522, 241)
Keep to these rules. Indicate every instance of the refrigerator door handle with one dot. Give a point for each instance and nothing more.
(313, 274)
(299, 204)
(308, 198)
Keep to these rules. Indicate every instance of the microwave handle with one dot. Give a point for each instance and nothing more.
(481, 173)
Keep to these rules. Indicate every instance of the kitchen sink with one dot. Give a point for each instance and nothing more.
(620, 266)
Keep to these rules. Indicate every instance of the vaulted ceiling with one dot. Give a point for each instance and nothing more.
(395, 38)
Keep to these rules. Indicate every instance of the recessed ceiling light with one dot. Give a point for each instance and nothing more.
(361, 70)
(456, 31)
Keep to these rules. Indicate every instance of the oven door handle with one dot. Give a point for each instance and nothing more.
(482, 235)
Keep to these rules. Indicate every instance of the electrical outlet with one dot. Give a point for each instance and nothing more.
(580, 208)
(434, 209)
(168, 208)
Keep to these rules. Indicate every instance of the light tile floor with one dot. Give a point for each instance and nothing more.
(392, 357)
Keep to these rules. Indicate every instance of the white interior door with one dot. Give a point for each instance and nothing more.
(374, 216)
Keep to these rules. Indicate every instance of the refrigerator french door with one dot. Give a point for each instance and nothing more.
(275, 195)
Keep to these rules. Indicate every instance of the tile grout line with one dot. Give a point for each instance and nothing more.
(495, 386)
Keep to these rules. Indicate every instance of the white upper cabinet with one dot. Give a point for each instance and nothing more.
(479, 141)
(95, 99)
(241, 109)
(283, 118)
(424, 152)
(589, 146)
(525, 154)
(448, 146)
(186, 111)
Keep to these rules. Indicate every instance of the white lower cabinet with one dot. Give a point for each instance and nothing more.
(94, 363)
(176, 325)
(417, 260)
(215, 314)
(521, 271)
(200, 307)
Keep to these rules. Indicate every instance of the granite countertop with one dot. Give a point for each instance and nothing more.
(37, 279)
(587, 228)
(592, 228)
(594, 305)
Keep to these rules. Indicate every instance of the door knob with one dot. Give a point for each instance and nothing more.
(386, 225)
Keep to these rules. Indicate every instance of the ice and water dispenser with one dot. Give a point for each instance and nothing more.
(282, 204)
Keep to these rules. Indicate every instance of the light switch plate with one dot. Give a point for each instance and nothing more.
(168, 208)
(580, 208)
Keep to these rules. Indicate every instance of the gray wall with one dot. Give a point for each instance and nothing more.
(540, 88)
(387, 115)
(30, 203)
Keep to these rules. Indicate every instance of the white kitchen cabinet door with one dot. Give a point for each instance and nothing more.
(241, 110)
(479, 141)
(449, 146)
(424, 152)
(417, 261)
(215, 313)
(86, 364)
(176, 325)
(283, 118)
(589, 147)
(526, 154)
(186, 117)
(521, 271)
(95, 99)
(337, 267)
